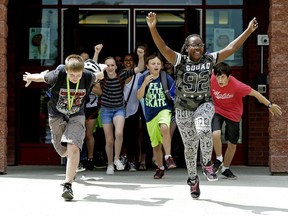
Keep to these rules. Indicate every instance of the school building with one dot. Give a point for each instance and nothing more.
(38, 34)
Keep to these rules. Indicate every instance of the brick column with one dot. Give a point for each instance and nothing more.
(278, 87)
(3, 85)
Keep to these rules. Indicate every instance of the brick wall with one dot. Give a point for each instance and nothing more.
(3, 85)
(277, 66)
(258, 120)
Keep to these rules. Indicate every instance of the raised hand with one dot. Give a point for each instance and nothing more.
(140, 52)
(98, 48)
(253, 24)
(151, 19)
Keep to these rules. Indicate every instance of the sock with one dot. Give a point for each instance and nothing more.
(167, 156)
(220, 158)
(162, 168)
(224, 168)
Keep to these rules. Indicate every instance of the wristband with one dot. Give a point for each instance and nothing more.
(270, 105)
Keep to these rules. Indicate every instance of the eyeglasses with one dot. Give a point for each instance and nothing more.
(201, 45)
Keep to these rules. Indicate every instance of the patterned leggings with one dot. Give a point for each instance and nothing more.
(195, 128)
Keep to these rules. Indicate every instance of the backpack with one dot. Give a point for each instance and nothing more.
(167, 90)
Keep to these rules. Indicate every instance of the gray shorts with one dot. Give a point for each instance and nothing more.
(62, 132)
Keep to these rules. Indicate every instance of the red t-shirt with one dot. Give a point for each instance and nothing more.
(228, 99)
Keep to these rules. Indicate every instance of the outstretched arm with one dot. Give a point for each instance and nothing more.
(238, 42)
(141, 64)
(97, 50)
(36, 77)
(273, 108)
(168, 53)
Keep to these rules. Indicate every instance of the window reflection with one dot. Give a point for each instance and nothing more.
(224, 2)
(42, 37)
(222, 27)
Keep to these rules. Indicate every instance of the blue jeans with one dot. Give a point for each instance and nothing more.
(107, 114)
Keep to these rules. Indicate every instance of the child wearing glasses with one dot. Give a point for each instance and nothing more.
(194, 108)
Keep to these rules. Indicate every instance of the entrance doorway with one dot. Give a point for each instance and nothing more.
(122, 30)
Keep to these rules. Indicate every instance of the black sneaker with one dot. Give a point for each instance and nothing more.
(67, 192)
(89, 164)
(209, 172)
(217, 165)
(159, 174)
(229, 175)
(100, 162)
(132, 167)
(194, 187)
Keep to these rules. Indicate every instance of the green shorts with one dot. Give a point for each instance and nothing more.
(153, 126)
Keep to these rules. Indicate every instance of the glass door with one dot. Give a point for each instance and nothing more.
(170, 26)
(93, 26)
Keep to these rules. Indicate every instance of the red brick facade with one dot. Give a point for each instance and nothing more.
(277, 67)
(3, 85)
(267, 137)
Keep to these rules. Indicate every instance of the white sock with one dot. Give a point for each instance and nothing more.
(224, 168)
(167, 156)
(162, 168)
(220, 158)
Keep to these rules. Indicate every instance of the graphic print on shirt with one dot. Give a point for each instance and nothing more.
(222, 96)
(196, 80)
(62, 103)
(155, 96)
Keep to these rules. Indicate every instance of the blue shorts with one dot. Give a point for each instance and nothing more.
(107, 114)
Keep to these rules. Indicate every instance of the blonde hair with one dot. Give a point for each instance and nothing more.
(74, 63)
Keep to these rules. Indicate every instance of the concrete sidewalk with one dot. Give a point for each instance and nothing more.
(36, 190)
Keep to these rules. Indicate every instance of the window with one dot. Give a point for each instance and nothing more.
(41, 33)
(224, 2)
(222, 27)
(132, 2)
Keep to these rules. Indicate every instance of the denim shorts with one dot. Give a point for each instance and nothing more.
(107, 114)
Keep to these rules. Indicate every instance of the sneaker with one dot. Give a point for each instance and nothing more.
(119, 165)
(229, 175)
(132, 167)
(100, 162)
(80, 168)
(209, 172)
(90, 164)
(110, 170)
(217, 165)
(159, 173)
(124, 160)
(67, 192)
(142, 167)
(170, 163)
(194, 187)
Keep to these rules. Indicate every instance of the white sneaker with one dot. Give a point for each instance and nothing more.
(119, 165)
(110, 170)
